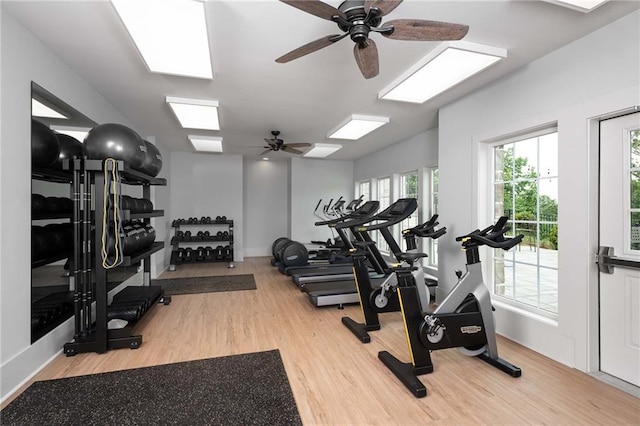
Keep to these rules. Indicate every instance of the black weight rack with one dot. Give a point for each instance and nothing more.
(204, 234)
(95, 336)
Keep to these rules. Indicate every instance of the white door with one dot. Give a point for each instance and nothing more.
(620, 233)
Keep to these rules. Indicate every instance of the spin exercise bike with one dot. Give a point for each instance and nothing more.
(464, 319)
(384, 298)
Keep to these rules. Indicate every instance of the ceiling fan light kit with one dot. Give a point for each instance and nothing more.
(356, 126)
(444, 67)
(358, 18)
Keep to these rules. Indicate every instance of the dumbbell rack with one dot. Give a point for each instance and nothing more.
(95, 336)
(219, 231)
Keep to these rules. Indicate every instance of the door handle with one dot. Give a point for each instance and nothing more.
(606, 261)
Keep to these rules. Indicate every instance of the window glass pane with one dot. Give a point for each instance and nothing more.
(635, 230)
(432, 250)
(549, 289)
(503, 281)
(548, 189)
(529, 231)
(503, 205)
(548, 256)
(526, 290)
(635, 149)
(526, 200)
(635, 190)
(503, 161)
(525, 154)
(434, 180)
(548, 155)
(384, 198)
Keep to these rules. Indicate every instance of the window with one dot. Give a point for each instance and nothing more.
(525, 189)
(383, 187)
(432, 249)
(409, 189)
(363, 188)
(633, 183)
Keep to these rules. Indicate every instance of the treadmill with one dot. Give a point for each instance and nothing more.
(339, 271)
(344, 214)
(344, 291)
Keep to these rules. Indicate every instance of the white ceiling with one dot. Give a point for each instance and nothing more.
(305, 98)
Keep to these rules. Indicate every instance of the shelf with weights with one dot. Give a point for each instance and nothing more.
(52, 241)
(121, 232)
(203, 240)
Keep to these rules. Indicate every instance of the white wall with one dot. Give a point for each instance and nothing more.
(25, 59)
(208, 185)
(597, 74)
(266, 201)
(312, 180)
(415, 153)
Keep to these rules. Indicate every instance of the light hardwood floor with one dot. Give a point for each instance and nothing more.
(337, 380)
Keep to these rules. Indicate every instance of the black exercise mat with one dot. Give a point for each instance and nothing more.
(175, 286)
(247, 389)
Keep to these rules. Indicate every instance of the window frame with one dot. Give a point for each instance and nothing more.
(491, 257)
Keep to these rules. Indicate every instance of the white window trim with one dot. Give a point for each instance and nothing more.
(485, 157)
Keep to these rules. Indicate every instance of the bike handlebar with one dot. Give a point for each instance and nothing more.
(492, 236)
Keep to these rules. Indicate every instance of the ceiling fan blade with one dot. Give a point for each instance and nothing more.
(385, 6)
(270, 142)
(366, 55)
(316, 7)
(419, 30)
(266, 151)
(298, 145)
(287, 148)
(310, 47)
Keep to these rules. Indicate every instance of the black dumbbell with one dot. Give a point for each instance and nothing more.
(225, 233)
(223, 219)
(187, 236)
(219, 252)
(200, 254)
(188, 255)
(209, 253)
(207, 234)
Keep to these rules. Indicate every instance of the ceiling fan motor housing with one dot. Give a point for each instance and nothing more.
(359, 27)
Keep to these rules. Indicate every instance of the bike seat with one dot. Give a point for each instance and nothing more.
(411, 257)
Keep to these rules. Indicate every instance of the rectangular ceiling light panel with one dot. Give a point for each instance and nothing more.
(321, 150)
(38, 109)
(195, 113)
(356, 126)
(171, 35)
(206, 143)
(446, 66)
(585, 6)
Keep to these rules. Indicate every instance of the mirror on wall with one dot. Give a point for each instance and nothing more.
(57, 132)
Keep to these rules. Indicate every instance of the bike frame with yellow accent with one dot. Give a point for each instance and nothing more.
(464, 319)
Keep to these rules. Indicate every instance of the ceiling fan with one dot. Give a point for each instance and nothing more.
(357, 18)
(277, 144)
